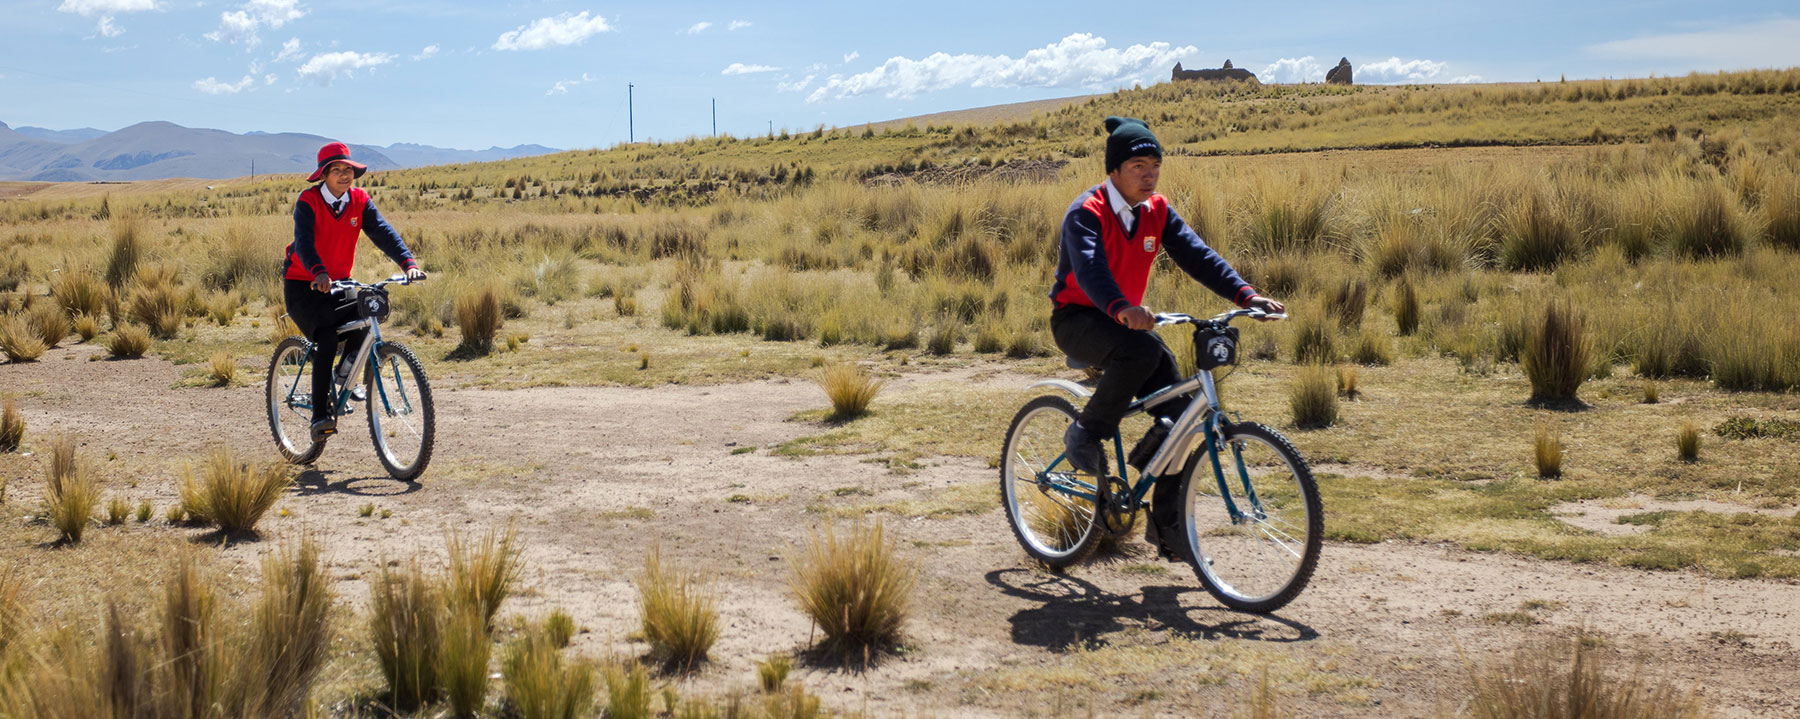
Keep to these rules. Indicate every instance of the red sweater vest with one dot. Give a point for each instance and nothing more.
(334, 238)
(1129, 258)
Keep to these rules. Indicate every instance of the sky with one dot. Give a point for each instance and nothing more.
(472, 75)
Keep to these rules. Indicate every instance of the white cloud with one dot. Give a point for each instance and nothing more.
(269, 79)
(738, 25)
(698, 28)
(213, 86)
(290, 50)
(564, 29)
(562, 86)
(429, 52)
(1291, 69)
(1396, 70)
(1763, 44)
(1079, 60)
(325, 68)
(1462, 79)
(798, 86)
(105, 9)
(738, 68)
(244, 25)
(852, 56)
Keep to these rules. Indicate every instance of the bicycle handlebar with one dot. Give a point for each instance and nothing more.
(1177, 318)
(338, 285)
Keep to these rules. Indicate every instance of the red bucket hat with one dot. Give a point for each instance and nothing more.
(336, 152)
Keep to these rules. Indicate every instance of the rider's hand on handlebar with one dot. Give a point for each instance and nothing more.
(1137, 318)
(1266, 304)
(414, 274)
(321, 282)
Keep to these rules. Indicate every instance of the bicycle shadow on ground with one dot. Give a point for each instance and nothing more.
(314, 482)
(1074, 612)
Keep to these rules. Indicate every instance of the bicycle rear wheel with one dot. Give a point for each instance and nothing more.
(1054, 526)
(1260, 557)
(288, 390)
(401, 418)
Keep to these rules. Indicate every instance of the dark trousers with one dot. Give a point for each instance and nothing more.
(1133, 363)
(318, 316)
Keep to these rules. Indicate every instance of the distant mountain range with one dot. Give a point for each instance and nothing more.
(161, 150)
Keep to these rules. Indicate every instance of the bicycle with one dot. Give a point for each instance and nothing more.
(1253, 539)
(397, 397)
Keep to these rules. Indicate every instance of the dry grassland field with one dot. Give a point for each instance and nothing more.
(1554, 324)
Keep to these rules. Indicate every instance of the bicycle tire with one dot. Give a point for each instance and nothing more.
(1223, 552)
(284, 418)
(404, 408)
(1069, 524)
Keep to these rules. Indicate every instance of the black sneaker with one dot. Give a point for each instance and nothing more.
(1170, 543)
(1083, 450)
(323, 428)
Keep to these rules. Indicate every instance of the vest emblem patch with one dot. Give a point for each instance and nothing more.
(1149, 243)
(356, 222)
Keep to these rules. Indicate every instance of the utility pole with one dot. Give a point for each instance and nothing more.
(630, 129)
(252, 169)
(771, 128)
(715, 117)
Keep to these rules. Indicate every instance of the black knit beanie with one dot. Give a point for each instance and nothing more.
(1129, 138)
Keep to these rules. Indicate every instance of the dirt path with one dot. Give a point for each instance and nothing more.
(594, 477)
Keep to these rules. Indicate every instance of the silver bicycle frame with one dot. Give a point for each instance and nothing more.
(1188, 426)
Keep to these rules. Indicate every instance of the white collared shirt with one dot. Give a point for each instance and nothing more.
(331, 200)
(1120, 207)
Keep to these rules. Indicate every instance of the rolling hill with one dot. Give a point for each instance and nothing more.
(162, 150)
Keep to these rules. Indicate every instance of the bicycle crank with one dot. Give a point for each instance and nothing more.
(1118, 514)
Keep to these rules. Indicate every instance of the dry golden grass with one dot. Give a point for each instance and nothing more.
(482, 572)
(1547, 453)
(222, 368)
(559, 627)
(772, 672)
(541, 684)
(678, 611)
(850, 388)
(1557, 355)
(1569, 680)
(231, 494)
(117, 511)
(51, 323)
(855, 589)
(1687, 442)
(290, 632)
(478, 319)
(19, 339)
(128, 341)
(81, 293)
(12, 425)
(406, 623)
(1313, 397)
(86, 327)
(159, 307)
(467, 649)
(71, 492)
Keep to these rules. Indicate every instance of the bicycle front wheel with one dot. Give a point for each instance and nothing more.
(1254, 526)
(288, 391)
(401, 419)
(1050, 505)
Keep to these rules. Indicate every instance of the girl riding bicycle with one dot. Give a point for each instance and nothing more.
(328, 218)
(1110, 237)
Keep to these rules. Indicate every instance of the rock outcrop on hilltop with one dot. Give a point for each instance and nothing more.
(1214, 74)
(1339, 75)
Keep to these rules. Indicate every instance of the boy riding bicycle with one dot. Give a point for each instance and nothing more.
(328, 218)
(1110, 237)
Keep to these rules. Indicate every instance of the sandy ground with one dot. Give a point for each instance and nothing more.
(1383, 630)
